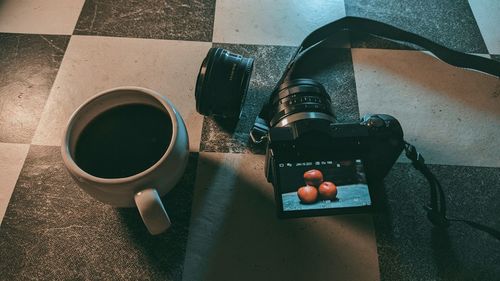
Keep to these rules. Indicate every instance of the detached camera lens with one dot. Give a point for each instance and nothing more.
(222, 83)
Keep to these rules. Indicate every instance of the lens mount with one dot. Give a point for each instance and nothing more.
(222, 84)
(300, 99)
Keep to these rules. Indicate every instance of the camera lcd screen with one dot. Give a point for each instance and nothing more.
(323, 185)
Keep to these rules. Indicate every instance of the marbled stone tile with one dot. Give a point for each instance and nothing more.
(330, 66)
(449, 22)
(53, 230)
(279, 22)
(451, 115)
(410, 248)
(29, 65)
(11, 162)
(93, 64)
(160, 19)
(235, 234)
(39, 17)
(487, 16)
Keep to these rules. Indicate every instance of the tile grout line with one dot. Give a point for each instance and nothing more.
(15, 183)
(51, 88)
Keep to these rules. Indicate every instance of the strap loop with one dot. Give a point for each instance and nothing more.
(436, 210)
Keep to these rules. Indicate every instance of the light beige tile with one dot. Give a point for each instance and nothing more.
(12, 158)
(40, 17)
(235, 235)
(279, 22)
(94, 64)
(487, 14)
(452, 115)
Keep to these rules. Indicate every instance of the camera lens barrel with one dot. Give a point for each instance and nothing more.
(300, 99)
(222, 83)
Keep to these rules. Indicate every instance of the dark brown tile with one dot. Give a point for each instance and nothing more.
(449, 22)
(52, 230)
(159, 19)
(29, 66)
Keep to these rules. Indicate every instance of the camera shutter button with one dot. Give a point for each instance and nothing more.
(375, 122)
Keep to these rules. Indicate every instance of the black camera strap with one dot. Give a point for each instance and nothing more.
(390, 32)
(436, 210)
(260, 128)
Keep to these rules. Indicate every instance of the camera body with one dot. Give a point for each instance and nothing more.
(375, 143)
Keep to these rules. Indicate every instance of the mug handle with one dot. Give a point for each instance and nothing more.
(152, 211)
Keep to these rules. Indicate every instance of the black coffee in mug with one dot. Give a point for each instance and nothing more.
(123, 141)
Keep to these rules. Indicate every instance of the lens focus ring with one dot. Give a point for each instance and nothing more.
(301, 95)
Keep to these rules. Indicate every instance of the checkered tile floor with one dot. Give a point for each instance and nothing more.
(54, 54)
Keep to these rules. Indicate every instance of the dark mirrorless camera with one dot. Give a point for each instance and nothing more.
(316, 165)
(308, 151)
(315, 151)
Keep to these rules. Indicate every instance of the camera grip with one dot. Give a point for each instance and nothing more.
(152, 211)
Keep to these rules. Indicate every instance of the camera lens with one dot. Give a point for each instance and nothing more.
(222, 83)
(300, 99)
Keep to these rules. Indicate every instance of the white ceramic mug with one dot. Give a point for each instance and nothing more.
(141, 190)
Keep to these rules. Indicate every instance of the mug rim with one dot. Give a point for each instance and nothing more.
(80, 173)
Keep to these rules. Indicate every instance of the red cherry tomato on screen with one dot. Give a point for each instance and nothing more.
(328, 190)
(313, 177)
(307, 194)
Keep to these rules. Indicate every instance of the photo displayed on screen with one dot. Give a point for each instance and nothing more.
(329, 184)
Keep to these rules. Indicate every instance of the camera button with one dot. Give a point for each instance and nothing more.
(375, 122)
